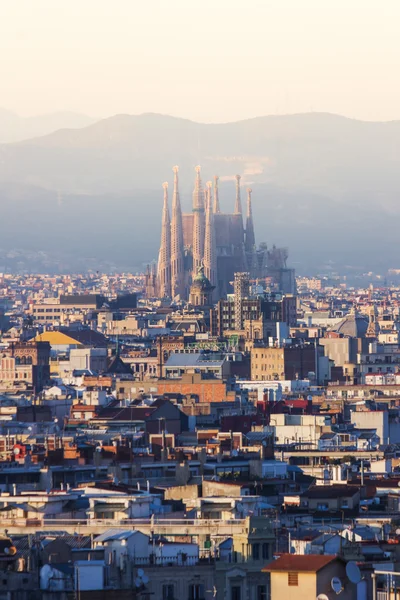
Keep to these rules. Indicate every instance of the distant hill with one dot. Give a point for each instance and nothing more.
(14, 128)
(323, 185)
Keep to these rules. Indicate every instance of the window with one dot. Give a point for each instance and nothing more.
(256, 551)
(196, 591)
(168, 591)
(236, 592)
(265, 551)
(261, 592)
(293, 579)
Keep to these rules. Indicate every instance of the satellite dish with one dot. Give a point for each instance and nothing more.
(322, 597)
(353, 572)
(138, 582)
(16, 451)
(140, 573)
(336, 585)
(145, 579)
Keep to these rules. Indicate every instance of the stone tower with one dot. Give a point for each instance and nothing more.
(238, 201)
(373, 325)
(250, 237)
(216, 207)
(164, 257)
(210, 250)
(177, 247)
(198, 222)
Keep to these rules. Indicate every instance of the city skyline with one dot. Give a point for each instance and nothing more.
(199, 300)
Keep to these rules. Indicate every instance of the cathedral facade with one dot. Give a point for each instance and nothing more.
(219, 244)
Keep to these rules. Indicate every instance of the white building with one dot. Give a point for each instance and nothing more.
(123, 545)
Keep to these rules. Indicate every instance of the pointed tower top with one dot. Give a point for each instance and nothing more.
(175, 198)
(198, 194)
(197, 185)
(250, 237)
(216, 197)
(208, 195)
(238, 203)
(165, 187)
(249, 209)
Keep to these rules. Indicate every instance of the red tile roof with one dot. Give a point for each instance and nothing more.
(311, 563)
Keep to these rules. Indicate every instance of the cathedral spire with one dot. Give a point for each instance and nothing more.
(207, 196)
(210, 251)
(177, 246)
(238, 203)
(164, 257)
(216, 196)
(198, 222)
(198, 192)
(250, 237)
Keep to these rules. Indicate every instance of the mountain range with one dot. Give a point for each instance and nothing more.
(14, 128)
(323, 185)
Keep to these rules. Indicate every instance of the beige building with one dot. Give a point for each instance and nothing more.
(289, 362)
(299, 428)
(305, 577)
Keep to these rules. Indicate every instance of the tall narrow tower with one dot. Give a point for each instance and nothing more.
(216, 207)
(164, 257)
(241, 288)
(239, 229)
(238, 202)
(198, 222)
(250, 237)
(210, 251)
(177, 247)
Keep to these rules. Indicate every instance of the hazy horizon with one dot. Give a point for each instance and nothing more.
(177, 116)
(220, 62)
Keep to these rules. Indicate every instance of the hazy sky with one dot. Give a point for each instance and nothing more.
(210, 60)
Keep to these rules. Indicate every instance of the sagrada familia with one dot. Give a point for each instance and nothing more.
(209, 246)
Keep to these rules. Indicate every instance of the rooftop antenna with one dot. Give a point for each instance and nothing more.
(336, 585)
(141, 580)
(353, 572)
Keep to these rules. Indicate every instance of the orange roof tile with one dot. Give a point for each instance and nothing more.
(311, 563)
